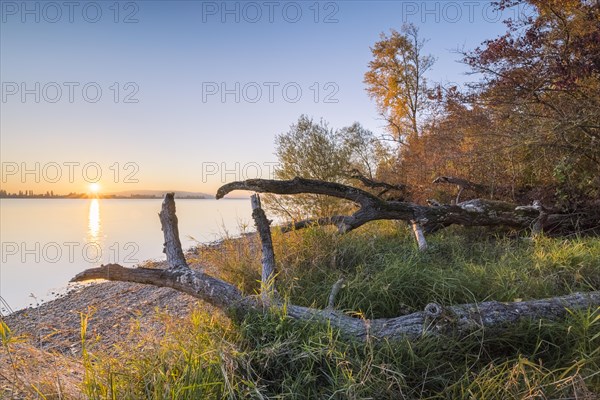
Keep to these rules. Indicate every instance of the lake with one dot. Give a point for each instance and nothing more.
(45, 242)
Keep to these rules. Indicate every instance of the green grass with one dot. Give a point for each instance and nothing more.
(272, 357)
(386, 274)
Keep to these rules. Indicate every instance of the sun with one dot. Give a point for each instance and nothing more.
(94, 187)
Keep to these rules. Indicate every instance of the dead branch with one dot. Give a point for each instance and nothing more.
(462, 184)
(419, 236)
(454, 320)
(300, 186)
(374, 184)
(541, 220)
(476, 212)
(268, 255)
(335, 289)
(168, 221)
(212, 290)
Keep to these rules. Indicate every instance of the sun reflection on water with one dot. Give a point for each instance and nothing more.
(94, 221)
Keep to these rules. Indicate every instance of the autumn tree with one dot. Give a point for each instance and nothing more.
(529, 129)
(542, 85)
(396, 80)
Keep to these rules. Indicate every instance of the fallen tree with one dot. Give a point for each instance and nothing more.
(435, 319)
(477, 212)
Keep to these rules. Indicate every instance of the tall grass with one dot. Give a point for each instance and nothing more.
(269, 356)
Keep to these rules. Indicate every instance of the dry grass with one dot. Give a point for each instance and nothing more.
(26, 372)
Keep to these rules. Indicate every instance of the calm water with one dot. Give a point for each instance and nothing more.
(45, 242)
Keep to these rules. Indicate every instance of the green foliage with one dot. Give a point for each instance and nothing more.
(313, 150)
(193, 360)
(309, 150)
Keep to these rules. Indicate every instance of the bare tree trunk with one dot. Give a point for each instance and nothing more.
(419, 236)
(434, 320)
(168, 220)
(268, 255)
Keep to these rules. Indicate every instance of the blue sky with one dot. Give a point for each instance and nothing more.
(169, 58)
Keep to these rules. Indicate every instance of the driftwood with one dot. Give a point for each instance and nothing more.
(477, 212)
(436, 319)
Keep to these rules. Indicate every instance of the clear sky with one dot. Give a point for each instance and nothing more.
(187, 95)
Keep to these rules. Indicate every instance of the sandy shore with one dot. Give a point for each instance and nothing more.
(49, 345)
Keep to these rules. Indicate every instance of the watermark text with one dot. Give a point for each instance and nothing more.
(269, 92)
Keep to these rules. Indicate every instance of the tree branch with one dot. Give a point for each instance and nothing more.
(335, 289)
(419, 236)
(212, 290)
(373, 184)
(299, 186)
(461, 183)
